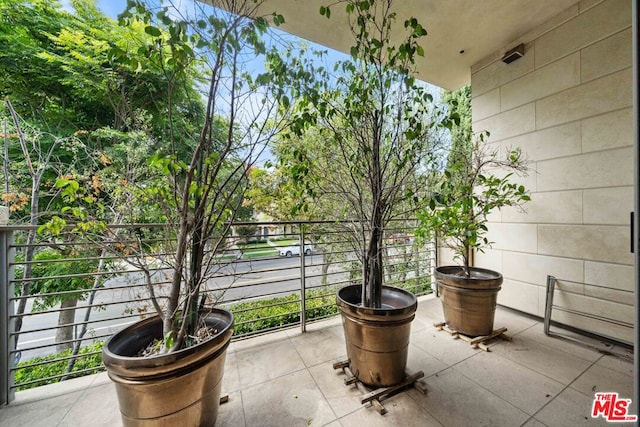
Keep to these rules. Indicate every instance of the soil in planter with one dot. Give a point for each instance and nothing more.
(153, 348)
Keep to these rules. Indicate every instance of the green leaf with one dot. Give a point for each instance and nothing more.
(152, 31)
(168, 339)
(325, 11)
(278, 19)
(284, 100)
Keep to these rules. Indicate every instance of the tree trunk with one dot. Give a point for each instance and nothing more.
(66, 318)
(374, 277)
(325, 268)
(374, 273)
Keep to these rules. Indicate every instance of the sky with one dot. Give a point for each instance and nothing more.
(111, 7)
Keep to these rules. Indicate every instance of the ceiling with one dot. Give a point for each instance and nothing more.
(460, 32)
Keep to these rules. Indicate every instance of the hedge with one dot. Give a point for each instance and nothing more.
(32, 370)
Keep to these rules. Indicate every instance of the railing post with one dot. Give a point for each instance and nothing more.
(303, 285)
(6, 322)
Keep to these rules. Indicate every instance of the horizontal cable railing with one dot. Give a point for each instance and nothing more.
(62, 304)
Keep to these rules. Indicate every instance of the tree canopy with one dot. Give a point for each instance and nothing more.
(82, 70)
(374, 128)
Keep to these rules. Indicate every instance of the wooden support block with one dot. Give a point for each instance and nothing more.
(455, 334)
(224, 398)
(379, 407)
(350, 380)
(373, 398)
(359, 385)
(485, 338)
(384, 391)
(364, 390)
(421, 386)
(341, 365)
(347, 370)
(475, 342)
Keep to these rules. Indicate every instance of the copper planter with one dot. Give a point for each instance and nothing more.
(180, 388)
(469, 303)
(377, 339)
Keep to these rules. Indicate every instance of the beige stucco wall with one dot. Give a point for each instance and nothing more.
(568, 104)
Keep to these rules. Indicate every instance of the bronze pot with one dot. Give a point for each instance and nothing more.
(469, 303)
(179, 388)
(377, 339)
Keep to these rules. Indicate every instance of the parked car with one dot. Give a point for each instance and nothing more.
(294, 249)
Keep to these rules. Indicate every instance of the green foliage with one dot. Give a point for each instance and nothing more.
(48, 268)
(255, 316)
(90, 99)
(69, 71)
(246, 231)
(467, 192)
(40, 368)
(197, 166)
(362, 135)
(415, 286)
(459, 105)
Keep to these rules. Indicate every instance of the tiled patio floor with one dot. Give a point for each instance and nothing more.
(287, 379)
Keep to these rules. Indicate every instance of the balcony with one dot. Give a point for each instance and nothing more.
(286, 378)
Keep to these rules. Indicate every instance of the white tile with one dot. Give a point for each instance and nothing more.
(607, 131)
(555, 207)
(289, 400)
(524, 388)
(534, 269)
(402, 410)
(256, 365)
(605, 19)
(603, 169)
(608, 93)
(606, 56)
(513, 237)
(455, 400)
(557, 141)
(601, 379)
(614, 276)
(320, 346)
(486, 105)
(608, 206)
(552, 78)
(548, 361)
(570, 409)
(508, 124)
(589, 242)
(520, 296)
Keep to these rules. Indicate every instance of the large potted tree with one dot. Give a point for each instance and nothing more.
(168, 368)
(477, 180)
(374, 125)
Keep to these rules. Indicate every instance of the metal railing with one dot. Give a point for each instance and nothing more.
(59, 307)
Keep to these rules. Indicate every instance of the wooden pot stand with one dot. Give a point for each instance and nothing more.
(376, 396)
(475, 342)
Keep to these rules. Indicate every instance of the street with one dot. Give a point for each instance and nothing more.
(244, 280)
